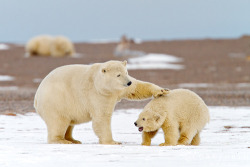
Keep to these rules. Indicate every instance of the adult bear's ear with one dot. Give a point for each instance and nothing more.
(104, 70)
(124, 62)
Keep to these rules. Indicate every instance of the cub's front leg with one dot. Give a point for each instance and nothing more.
(147, 136)
(171, 133)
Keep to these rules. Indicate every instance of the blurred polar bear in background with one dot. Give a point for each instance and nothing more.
(45, 45)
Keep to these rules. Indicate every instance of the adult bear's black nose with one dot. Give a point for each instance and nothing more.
(135, 124)
(129, 83)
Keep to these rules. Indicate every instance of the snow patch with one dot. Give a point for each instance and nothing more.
(4, 46)
(195, 85)
(6, 78)
(243, 85)
(208, 85)
(103, 41)
(77, 55)
(8, 88)
(155, 58)
(37, 80)
(237, 55)
(224, 142)
(155, 61)
(115, 40)
(138, 40)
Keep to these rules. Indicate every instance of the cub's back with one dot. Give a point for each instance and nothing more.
(186, 104)
(183, 97)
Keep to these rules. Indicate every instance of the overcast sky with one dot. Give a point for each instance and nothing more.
(86, 20)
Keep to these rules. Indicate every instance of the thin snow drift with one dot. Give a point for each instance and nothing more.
(6, 78)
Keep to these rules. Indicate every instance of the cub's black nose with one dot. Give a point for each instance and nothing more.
(135, 124)
(129, 83)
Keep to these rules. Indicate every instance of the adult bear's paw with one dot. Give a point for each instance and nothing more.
(161, 92)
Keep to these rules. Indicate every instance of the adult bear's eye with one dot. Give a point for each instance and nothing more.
(118, 75)
(143, 119)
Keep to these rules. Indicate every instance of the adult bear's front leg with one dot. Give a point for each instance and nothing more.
(102, 128)
(158, 91)
(142, 90)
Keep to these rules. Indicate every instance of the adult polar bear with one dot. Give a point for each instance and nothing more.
(75, 94)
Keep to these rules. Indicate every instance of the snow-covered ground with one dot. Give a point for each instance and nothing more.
(155, 61)
(225, 141)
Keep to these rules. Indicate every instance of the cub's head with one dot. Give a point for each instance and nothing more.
(149, 121)
(114, 75)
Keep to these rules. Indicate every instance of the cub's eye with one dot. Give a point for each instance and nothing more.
(143, 119)
(118, 75)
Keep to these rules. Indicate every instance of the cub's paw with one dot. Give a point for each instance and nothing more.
(161, 92)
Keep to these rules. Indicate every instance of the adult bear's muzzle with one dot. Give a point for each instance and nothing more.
(129, 83)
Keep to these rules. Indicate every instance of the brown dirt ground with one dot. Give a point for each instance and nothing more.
(222, 63)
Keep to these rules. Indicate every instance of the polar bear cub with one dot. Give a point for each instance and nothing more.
(181, 114)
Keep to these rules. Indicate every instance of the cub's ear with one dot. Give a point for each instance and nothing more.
(104, 70)
(124, 62)
(157, 117)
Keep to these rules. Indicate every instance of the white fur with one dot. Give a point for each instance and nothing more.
(181, 114)
(75, 94)
(46, 45)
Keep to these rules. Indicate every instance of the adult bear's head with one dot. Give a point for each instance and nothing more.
(113, 76)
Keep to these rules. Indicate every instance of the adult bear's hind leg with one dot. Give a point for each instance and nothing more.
(57, 130)
(68, 135)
